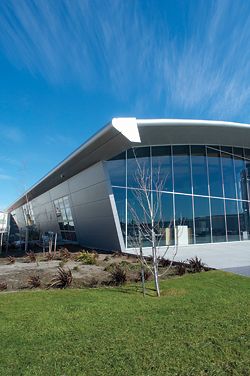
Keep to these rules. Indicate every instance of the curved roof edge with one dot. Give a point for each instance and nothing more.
(122, 133)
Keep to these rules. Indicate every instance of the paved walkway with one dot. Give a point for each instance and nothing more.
(242, 270)
(234, 256)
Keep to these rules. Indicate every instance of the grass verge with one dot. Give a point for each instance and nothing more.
(200, 326)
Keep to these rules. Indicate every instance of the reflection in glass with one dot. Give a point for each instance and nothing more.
(138, 216)
(138, 165)
(214, 168)
(65, 219)
(117, 170)
(218, 220)
(199, 170)
(182, 171)
(164, 218)
(120, 200)
(247, 156)
(184, 219)
(244, 219)
(162, 168)
(228, 172)
(232, 220)
(202, 220)
(240, 173)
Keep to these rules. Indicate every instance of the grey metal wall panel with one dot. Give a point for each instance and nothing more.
(19, 217)
(59, 191)
(89, 178)
(90, 200)
(92, 210)
(41, 200)
(98, 233)
(93, 193)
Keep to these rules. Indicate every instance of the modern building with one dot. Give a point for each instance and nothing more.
(201, 168)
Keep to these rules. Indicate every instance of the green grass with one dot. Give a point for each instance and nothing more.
(200, 326)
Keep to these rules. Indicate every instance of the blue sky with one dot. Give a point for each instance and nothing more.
(67, 67)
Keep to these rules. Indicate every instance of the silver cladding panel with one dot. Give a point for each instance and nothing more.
(90, 200)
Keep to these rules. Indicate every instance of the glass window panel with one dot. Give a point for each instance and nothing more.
(162, 168)
(117, 170)
(240, 174)
(247, 156)
(218, 220)
(244, 219)
(66, 202)
(202, 220)
(182, 171)
(199, 170)
(61, 226)
(232, 220)
(120, 200)
(164, 218)
(138, 217)
(66, 226)
(138, 165)
(63, 213)
(214, 168)
(68, 213)
(184, 229)
(228, 172)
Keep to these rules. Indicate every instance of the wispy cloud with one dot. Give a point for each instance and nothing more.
(12, 134)
(58, 139)
(6, 177)
(135, 50)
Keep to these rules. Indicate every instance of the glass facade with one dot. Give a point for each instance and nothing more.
(28, 214)
(64, 218)
(198, 193)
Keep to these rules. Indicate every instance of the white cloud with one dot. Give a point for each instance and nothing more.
(12, 134)
(129, 48)
(6, 177)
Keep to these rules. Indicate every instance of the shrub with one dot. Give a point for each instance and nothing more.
(164, 262)
(196, 265)
(118, 275)
(87, 258)
(62, 279)
(147, 275)
(3, 286)
(11, 260)
(65, 254)
(49, 256)
(116, 254)
(180, 269)
(31, 257)
(34, 281)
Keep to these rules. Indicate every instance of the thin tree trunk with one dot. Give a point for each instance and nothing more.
(26, 239)
(1, 243)
(55, 244)
(155, 263)
(142, 267)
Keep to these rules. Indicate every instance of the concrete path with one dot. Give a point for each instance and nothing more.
(243, 270)
(227, 256)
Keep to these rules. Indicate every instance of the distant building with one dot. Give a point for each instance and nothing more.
(205, 166)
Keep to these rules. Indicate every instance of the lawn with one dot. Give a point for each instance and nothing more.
(200, 326)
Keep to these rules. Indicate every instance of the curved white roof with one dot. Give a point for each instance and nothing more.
(123, 133)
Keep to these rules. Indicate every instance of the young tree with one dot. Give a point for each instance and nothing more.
(148, 223)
